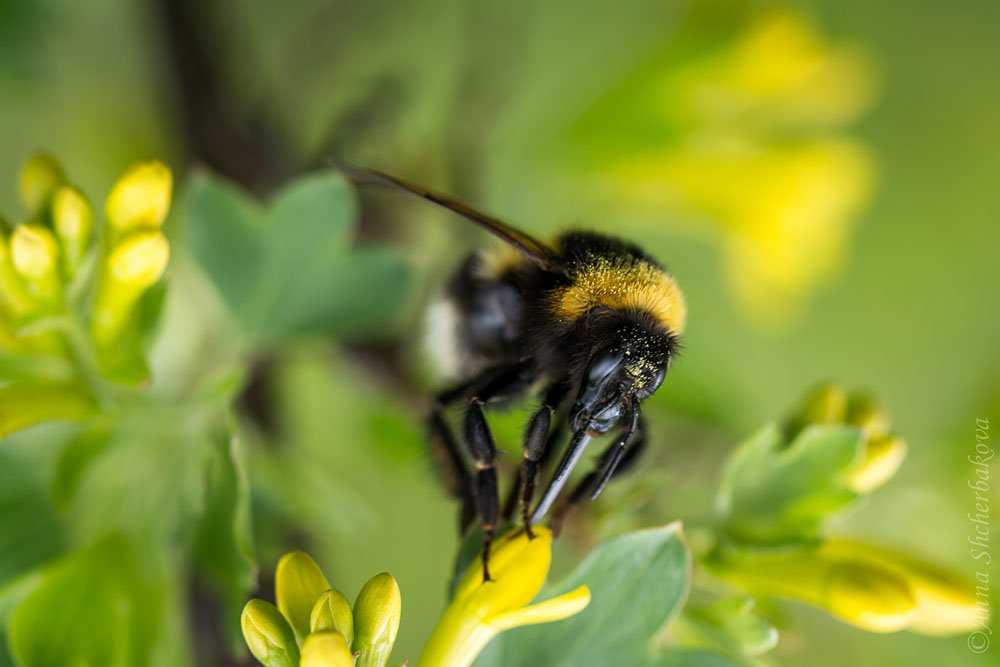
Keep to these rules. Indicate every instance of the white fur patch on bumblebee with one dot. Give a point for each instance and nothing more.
(441, 339)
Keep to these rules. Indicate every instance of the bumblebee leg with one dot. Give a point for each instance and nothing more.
(482, 447)
(481, 493)
(536, 443)
(453, 472)
(615, 460)
(493, 383)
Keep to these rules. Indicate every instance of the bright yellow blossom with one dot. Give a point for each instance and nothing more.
(480, 610)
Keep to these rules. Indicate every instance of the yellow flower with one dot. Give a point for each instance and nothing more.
(35, 255)
(140, 198)
(945, 604)
(268, 635)
(298, 584)
(376, 620)
(744, 148)
(131, 268)
(480, 610)
(40, 177)
(332, 611)
(872, 588)
(73, 220)
(326, 648)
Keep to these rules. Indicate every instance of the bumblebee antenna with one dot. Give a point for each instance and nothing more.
(533, 249)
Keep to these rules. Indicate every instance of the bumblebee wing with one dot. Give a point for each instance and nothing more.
(538, 252)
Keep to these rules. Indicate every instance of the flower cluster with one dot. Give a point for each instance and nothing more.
(315, 626)
(74, 287)
(871, 587)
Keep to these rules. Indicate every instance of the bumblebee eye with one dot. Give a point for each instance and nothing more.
(655, 381)
(658, 379)
(603, 366)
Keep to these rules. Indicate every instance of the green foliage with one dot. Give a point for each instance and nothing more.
(92, 608)
(730, 623)
(32, 531)
(223, 544)
(637, 582)
(779, 492)
(290, 269)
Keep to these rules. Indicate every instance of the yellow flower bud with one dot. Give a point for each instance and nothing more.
(326, 648)
(825, 405)
(298, 584)
(133, 266)
(870, 597)
(946, 604)
(13, 294)
(881, 458)
(35, 255)
(873, 588)
(140, 259)
(73, 220)
(864, 411)
(268, 635)
(140, 198)
(333, 612)
(479, 610)
(376, 620)
(40, 177)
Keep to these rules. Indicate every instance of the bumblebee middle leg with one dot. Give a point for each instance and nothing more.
(482, 491)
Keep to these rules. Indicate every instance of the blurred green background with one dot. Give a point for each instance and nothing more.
(820, 177)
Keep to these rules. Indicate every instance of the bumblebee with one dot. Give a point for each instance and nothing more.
(591, 319)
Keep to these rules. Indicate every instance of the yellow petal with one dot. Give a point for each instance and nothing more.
(946, 604)
(376, 620)
(518, 566)
(880, 459)
(40, 177)
(556, 609)
(74, 223)
(298, 584)
(140, 259)
(326, 648)
(332, 611)
(34, 251)
(140, 198)
(268, 635)
(870, 597)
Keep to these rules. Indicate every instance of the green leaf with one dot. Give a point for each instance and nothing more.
(694, 658)
(91, 608)
(729, 623)
(225, 233)
(637, 582)
(76, 456)
(777, 493)
(32, 532)
(290, 270)
(223, 548)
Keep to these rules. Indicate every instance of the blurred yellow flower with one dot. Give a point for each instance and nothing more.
(867, 586)
(755, 159)
(480, 610)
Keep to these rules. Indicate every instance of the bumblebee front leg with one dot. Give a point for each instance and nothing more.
(618, 458)
(482, 447)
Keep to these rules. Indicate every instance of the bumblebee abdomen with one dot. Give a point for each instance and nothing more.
(478, 322)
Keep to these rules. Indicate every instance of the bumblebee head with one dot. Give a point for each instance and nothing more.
(627, 359)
